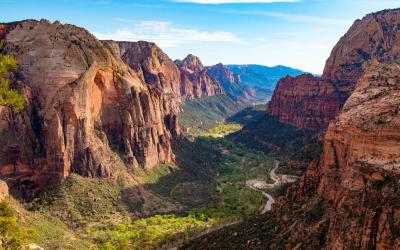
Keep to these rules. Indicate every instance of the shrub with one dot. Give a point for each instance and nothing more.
(13, 235)
(9, 97)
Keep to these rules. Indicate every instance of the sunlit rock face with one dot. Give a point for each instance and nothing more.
(86, 110)
(357, 176)
(310, 103)
(196, 80)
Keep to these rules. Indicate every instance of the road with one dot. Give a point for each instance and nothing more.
(257, 184)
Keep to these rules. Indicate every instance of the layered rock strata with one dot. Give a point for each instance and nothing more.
(86, 110)
(376, 36)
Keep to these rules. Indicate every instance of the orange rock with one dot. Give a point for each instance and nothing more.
(86, 110)
(195, 79)
(309, 102)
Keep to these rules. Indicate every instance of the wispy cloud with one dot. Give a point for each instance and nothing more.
(234, 1)
(293, 17)
(166, 34)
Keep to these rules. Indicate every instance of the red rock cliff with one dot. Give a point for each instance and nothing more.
(195, 79)
(356, 177)
(304, 101)
(157, 68)
(87, 112)
(375, 36)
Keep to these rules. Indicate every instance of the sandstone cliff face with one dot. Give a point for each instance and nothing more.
(231, 83)
(350, 197)
(305, 102)
(357, 175)
(195, 79)
(375, 36)
(157, 68)
(87, 112)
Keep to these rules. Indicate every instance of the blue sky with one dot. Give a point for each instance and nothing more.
(297, 33)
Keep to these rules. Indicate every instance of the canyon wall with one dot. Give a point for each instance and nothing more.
(86, 111)
(356, 177)
(376, 36)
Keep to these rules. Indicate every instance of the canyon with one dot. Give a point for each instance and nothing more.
(348, 196)
(100, 144)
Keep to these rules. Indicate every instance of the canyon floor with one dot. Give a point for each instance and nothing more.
(214, 183)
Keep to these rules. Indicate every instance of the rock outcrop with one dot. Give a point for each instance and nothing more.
(231, 83)
(195, 79)
(157, 68)
(305, 101)
(86, 110)
(375, 36)
(357, 175)
(349, 197)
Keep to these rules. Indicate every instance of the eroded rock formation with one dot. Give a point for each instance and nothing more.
(195, 79)
(157, 68)
(305, 101)
(356, 178)
(349, 197)
(376, 36)
(231, 83)
(86, 110)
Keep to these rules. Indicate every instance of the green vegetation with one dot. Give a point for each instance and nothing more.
(222, 130)
(209, 180)
(12, 234)
(264, 133)
(81, 201)
(207, 112)
(166, 205)
(9, 97)
(150, 233)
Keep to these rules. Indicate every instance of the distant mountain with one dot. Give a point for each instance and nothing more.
(233, 85)
(262, 78)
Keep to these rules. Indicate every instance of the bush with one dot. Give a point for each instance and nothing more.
(9, 97)
(13, 235)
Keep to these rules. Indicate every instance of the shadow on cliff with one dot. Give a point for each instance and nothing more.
(263, 132)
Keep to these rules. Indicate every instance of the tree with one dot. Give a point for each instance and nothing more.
(12, 235)
(8, 97)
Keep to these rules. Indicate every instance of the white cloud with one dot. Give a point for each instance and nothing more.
(234, 1)
(166, 34)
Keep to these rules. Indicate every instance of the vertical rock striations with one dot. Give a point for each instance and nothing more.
(86, 111)
(157, 68)
(357, 175)
(349, 197)
(305, 101)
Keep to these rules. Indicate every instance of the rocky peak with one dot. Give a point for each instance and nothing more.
(196, 80)
(376, 36)
(231, 83)
(304, 101)
(223, 74)
(157, 68)
(191, 63)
